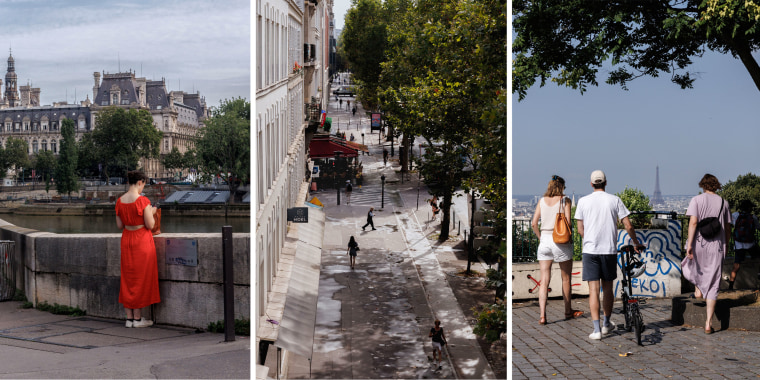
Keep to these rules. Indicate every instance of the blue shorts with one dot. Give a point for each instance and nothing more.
(599, 267)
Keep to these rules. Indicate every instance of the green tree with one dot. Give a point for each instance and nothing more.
(745, 186)
(124, 136)
(16, 155)
(87, 157)
(363, 46)
(45, 164)
(66, 176)
(173, 160)
(567, 42)
(635, 200)
(445, 75)
(223, 146)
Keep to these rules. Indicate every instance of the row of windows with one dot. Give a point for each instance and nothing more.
(27, 125)
(35, 146)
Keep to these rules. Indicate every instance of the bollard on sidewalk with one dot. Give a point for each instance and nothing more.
(229, 285)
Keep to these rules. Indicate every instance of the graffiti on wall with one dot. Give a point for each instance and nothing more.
(663, 261)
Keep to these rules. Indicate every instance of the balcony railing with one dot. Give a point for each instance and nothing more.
(313, 110)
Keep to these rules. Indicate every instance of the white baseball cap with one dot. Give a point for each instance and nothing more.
(597, 177)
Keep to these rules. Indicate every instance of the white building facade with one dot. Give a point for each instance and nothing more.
(289, 74)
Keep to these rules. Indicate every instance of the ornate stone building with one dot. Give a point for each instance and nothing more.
(177, 114)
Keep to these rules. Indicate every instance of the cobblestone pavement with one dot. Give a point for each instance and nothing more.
(561, 349)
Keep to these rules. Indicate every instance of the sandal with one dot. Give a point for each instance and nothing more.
(542, 321)
(573, 314)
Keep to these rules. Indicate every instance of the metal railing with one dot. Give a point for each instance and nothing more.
(525, 242)
(7, 270)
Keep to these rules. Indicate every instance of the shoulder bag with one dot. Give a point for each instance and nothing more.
(562, 232)
(157, 218)
(710, 227)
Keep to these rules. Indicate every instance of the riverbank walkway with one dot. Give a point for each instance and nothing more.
(561, 349)
(38, 345)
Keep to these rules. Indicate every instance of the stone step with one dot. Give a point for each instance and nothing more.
(735, 309)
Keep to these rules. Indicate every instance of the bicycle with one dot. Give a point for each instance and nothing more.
(632, 268)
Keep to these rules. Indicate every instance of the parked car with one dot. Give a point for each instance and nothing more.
(344, 90)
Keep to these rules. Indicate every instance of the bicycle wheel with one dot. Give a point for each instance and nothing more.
(636, 321)
(626, 311)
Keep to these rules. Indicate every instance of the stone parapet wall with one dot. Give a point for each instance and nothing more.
(83, 270)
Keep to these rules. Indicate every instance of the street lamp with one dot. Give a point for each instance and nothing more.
(337, 184)
(382, 199)
(362, 142)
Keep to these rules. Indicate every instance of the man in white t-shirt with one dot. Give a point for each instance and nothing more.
(597, 215)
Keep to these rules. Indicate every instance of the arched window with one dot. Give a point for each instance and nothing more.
(44, 145)
(35, 147)
(54, 146)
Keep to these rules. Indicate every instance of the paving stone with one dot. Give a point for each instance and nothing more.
(668, 350)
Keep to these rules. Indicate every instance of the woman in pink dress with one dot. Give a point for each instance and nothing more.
(704, 256)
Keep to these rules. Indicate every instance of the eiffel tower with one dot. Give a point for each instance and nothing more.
(657, 197)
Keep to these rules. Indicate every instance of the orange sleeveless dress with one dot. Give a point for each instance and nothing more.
(139, 266)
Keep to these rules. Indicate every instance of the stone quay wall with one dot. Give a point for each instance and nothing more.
(83, 270)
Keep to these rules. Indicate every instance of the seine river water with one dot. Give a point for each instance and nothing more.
(107, 224)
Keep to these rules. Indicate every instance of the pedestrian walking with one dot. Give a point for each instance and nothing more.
(348, 105)
(139, 270)
(370, 214)
(704, 250)
(434, 207)
(352, 137)
(745, 228)
(439, 340)
(553, 202)
(353, 111)
(353, 247)
(385, 157)
(349, 189)
(597, 215)
(341, 103)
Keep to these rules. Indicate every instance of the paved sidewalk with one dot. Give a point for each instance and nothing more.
(561, 349)
(373, 321)
(36, 344)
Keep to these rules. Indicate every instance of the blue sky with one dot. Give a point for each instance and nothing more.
(193, 44)
(712, 128)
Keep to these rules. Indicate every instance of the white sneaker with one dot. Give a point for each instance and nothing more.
(143, 323)
(608, 329)
(595, 336)
(129, 324)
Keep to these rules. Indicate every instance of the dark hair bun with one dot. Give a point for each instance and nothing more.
(136, 175)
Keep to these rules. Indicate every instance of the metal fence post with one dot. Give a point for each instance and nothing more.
(229, 285)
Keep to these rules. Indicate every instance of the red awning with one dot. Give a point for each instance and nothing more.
(323, 148)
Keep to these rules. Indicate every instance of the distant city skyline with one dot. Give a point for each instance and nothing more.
(195, 45)
(711, 128)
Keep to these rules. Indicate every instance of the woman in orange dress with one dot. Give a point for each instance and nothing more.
(139, 267)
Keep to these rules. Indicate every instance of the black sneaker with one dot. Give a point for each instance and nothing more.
(730, 285)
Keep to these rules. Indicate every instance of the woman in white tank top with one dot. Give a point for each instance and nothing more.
(548, 250)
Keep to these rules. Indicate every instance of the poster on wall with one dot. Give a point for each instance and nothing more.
(182, 252)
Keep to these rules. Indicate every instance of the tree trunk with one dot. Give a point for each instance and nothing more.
(744, 51)
(446, 218)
